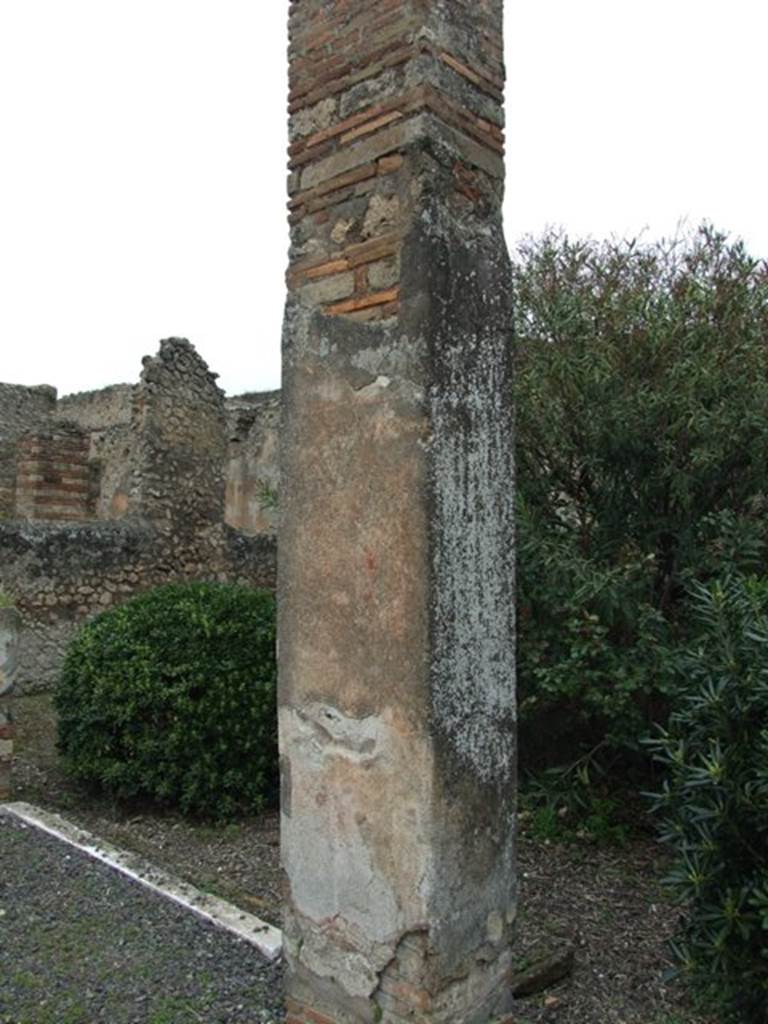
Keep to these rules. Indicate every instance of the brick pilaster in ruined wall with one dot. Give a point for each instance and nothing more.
(53, 476)
(21, 409)
(363, 80)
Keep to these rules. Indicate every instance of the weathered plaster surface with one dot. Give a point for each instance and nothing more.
(397, 720)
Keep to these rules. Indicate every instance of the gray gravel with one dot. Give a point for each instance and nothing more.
(82, 944)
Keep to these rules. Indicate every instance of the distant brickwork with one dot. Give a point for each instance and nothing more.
(53, 477)
(21, 409)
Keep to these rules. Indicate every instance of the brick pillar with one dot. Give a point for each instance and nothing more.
(9, 629)
(396, 518)
(22, 409)
(53, 477)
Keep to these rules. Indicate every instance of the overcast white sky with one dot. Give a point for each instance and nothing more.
(142, 163)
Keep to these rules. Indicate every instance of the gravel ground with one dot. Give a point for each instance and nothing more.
(81, 944)
(606, 902)
(239, 861)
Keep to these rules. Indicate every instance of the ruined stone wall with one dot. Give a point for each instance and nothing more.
(21, 409)
(111, 458)
(24, 408)
(105, 415)
(178, 428)
(107, 507)
(97, 410)
(252, 477)
(132, 440)
(59, 576)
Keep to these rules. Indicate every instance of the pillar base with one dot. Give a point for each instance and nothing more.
(483, 996)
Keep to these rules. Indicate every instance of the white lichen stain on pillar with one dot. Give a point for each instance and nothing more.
(473, 702)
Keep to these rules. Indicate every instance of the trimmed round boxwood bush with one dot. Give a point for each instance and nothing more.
(172, 696)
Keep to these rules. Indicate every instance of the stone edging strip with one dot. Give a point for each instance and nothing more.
(265, 937)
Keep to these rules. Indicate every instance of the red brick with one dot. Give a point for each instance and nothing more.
(389, 164)
(372, 126)
(313, 1017)
(361, 278)
(349, 123)
(389, 56)
(353, 256)
(363, 302)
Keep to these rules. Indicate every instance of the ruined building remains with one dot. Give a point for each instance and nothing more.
(74, 459)
(107, 493)
(396, 655)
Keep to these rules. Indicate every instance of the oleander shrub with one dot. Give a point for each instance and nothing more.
(713, 806)
(642, 455)
(171, 696)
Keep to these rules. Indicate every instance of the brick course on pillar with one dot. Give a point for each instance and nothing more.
(396, 536)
